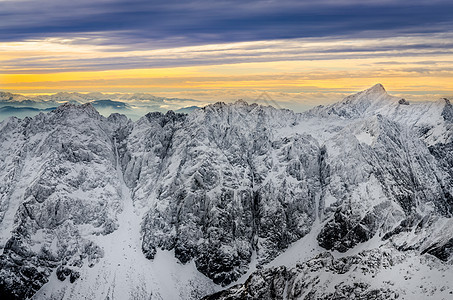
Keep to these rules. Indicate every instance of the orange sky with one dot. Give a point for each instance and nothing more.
(294, 70)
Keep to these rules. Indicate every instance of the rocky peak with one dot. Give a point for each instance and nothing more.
(359, 105)
(163, 119)
(241, 102)
(119, 119)
(375, 93)
(74, 109)
(376, 89)
(218, 106)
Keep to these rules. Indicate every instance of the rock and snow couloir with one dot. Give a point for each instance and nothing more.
(323, 205)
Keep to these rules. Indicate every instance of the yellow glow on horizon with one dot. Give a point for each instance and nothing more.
(266, 75)
(307, 70)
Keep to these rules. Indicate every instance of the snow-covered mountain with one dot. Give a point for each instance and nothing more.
(132, 105)
(81, 98)
(350, 200)
(5, 96)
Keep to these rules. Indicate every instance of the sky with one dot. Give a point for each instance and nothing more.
(299, 53)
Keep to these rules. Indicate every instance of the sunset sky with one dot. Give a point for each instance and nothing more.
(298, 52)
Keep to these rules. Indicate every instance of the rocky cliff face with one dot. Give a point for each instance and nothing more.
(385, 184)
(225, 187)
(88, 201)
(58, 178)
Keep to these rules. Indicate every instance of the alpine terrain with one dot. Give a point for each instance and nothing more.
(232, 201)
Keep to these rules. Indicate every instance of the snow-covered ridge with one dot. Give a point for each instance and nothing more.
(81, 98)
(177, 206)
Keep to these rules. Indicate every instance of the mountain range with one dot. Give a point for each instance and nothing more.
(234, 201)
(80, 98)
(132, 105)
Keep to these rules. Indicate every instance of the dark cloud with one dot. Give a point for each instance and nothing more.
(155, 24)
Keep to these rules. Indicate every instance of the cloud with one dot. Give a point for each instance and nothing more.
(58, 55)
(170, 23)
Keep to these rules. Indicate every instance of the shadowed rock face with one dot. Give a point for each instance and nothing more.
(235, 189)
(222, 185)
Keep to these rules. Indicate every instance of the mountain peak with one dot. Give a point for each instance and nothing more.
(87, 108)
(374, 94)
(376, 89)
(241, 102)
(361, 103)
